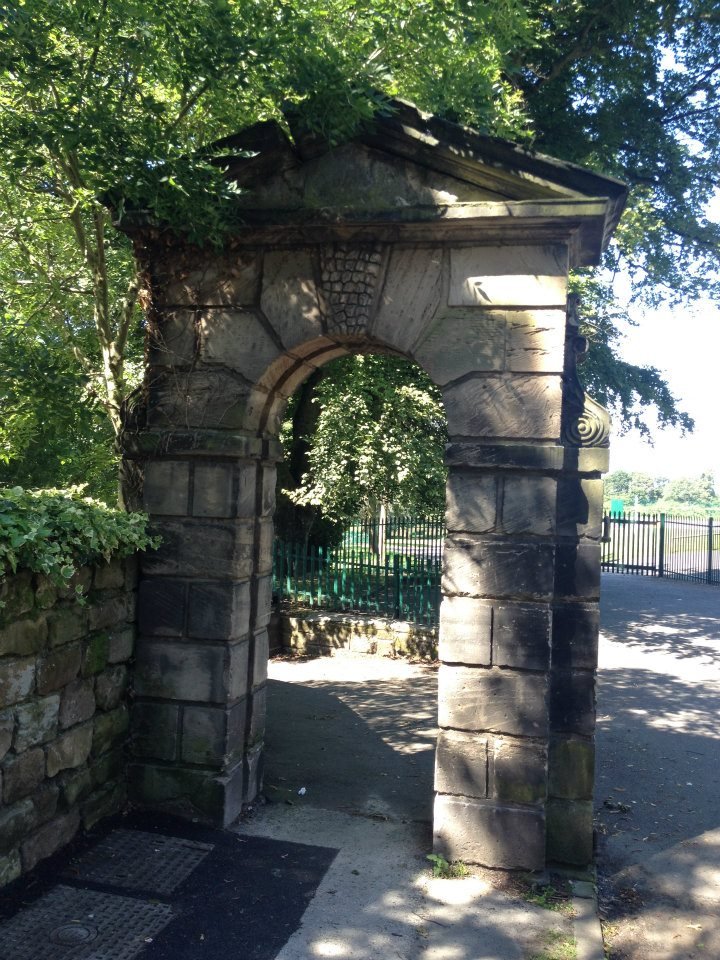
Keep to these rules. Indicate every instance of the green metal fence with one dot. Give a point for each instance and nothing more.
(658, 545)
(390, 568)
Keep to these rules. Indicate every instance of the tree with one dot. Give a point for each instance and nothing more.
(617, 484)
(698, 491)
(646, 488)
(72, 447)
(378, 440)
(632, 88)
(105, 104)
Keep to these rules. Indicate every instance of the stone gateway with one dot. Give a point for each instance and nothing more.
(426, 240)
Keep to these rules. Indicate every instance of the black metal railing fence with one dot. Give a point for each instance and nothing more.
(661, 545)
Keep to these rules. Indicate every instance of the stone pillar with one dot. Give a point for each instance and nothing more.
(495, 628)
(204, 600)
(208, 483)
(518, 622)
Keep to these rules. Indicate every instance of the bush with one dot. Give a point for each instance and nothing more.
(57, 531)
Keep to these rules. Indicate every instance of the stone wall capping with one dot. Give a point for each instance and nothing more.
(200, 443)
(471, 452)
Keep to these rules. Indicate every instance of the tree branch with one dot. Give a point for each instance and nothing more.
(127, 310)
(188, 105)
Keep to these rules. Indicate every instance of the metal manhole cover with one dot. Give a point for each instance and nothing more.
(135, 860)
(73, 933)
(72, 924)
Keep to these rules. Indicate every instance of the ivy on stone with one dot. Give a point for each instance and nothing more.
(56, 532)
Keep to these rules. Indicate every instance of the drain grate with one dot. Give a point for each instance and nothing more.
(72, 924)
(134, 860)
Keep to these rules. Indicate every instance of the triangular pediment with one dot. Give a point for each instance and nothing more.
(406, 158)
(409, 177)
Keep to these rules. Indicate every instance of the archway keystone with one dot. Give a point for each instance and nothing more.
(430, 241)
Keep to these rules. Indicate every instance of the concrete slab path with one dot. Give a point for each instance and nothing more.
(349, 765)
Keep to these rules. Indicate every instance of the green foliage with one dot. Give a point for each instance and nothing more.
(105, 104)
(628, 390)
(444, 869)
(628, 486)
(632, 89)
(683, 495)
(379, 439)
(699, 490)
(52, 429)
(557, 946)
(549, 897)
(57, 531)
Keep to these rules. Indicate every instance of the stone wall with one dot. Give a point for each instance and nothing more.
(63, 710)
(313, 633)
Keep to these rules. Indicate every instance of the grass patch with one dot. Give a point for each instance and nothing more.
(557, 946)
(555, 896)
(446, 870)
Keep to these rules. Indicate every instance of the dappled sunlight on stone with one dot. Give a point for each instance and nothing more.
(379, 900)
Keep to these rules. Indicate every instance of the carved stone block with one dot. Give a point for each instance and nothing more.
(500, 701)
(237, 339)
(462, 341)
(519, 407)
(410, 297)
(476, 567)
(521, 636)
(471, 502)
(535, 341)
(465, 631)
(461, 764)
(508, 276)
(517, 770)
(572, 702)
(219, 610)
(289, 296)
(489, 833)
(529, 505)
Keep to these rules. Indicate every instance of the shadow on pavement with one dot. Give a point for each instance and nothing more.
(359, 747)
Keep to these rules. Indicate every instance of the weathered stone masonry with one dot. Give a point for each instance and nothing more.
(425, 240)
(63, 711)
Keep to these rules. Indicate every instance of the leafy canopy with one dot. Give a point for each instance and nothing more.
(632, 89)
(108, 102)
(682, 495)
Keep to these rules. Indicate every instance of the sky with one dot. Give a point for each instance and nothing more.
(684, 343)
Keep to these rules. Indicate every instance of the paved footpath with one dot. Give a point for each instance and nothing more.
(658, 776)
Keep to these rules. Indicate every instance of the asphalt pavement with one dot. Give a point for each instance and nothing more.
(658, 772)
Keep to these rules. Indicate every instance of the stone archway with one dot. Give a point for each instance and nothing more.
(432, 242)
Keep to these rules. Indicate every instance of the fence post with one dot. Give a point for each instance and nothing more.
(710, 550)
(396, 583)
(661, 547)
